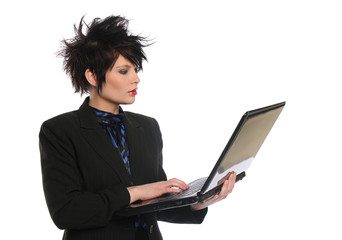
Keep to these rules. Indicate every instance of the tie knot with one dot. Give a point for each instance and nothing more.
(111, 120)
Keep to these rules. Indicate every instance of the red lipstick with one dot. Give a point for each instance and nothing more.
(133, 92)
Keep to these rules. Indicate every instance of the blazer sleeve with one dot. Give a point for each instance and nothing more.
(175, 215)
(70, 206)
(182, 215)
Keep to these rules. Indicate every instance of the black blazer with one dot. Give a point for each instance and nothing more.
(85, 181)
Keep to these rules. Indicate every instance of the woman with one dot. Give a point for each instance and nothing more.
(98, 159)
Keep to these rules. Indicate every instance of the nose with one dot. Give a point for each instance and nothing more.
(136, 78)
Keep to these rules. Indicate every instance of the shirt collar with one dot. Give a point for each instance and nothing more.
(101, 113)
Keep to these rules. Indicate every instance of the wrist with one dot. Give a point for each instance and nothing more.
(133, 193)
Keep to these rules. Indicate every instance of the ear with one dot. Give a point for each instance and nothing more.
(91, 77)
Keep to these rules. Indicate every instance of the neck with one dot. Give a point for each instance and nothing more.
(97, 102)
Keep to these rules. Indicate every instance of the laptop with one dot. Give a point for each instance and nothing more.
(237, 156)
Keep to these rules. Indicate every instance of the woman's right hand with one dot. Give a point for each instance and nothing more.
(153, 190)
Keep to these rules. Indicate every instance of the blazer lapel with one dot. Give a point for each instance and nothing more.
(134, 141)
(141, 161)
(99, 141)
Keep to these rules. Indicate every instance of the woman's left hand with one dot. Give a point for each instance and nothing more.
(227, 188)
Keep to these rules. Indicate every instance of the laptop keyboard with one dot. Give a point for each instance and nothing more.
(194, 188)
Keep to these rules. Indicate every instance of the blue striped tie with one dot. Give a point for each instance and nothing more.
(116, 130)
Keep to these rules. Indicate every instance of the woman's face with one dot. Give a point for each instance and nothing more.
(120, 86)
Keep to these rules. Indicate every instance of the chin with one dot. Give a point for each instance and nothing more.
(128, 102)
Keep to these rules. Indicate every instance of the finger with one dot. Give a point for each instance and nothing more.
(228, 185)
(167, 187)
(215, 199)
(231, 182)
(174, 182)
(233, 176)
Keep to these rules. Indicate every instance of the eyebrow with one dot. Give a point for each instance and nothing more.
(124, 65)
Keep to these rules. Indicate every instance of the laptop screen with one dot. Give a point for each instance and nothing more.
(244, 144)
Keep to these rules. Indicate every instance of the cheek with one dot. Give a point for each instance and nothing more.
(118, 87)
(113, 84)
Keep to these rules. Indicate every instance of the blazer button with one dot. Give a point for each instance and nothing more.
(151, 229)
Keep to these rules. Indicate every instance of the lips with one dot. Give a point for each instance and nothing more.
(133, 92)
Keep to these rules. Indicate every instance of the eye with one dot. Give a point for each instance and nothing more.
(137, 69)
(123, 71)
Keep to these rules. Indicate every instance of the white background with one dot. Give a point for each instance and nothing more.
(212, 61)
